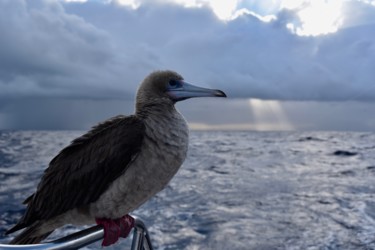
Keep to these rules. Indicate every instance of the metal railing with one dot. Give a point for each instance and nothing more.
(141, 239)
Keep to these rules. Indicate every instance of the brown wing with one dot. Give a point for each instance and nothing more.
(81, 172)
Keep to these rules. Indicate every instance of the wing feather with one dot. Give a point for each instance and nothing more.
(82, 171)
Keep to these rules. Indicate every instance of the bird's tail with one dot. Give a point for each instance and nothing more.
(30, 236)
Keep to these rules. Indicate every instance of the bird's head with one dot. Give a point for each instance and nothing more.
(168, 87)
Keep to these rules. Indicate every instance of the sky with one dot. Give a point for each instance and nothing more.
(284, 64)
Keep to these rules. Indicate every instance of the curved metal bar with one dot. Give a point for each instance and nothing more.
(141, 239)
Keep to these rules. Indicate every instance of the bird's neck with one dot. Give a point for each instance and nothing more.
(154, 107)
(163, 120)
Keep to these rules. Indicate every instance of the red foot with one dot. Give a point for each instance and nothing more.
(114, 229)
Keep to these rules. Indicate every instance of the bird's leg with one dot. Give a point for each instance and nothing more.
(115, 228)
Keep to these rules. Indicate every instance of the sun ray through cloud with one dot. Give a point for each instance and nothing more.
(269, 115)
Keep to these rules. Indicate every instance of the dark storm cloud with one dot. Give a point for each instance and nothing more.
(46, 52)
(101, 50)
(246, 56)
(68, 65)
(58, 113)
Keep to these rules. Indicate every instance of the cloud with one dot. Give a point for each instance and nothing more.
(246, 56)
(47, 52)
(102, 50)
(98, 51)
(58, 113)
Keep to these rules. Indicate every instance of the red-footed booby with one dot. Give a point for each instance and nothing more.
(114, 168)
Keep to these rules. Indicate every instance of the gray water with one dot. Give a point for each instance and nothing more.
(236, 190)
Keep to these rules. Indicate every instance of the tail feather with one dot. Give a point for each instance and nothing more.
(15, 228)
(30, 235)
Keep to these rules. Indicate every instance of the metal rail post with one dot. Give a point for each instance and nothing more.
(141, 240)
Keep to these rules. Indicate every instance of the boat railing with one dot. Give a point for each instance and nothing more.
(141, 239)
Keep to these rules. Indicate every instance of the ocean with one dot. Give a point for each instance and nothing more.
(236, 190)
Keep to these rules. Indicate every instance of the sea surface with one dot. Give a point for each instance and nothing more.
(236, 190)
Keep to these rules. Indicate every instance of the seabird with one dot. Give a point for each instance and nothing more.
(114, 168)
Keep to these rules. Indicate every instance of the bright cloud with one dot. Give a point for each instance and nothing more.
(315, 17)
(318, 17)
(132, 3)
(223, 9)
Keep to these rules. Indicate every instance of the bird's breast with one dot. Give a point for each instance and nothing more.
(163, 151)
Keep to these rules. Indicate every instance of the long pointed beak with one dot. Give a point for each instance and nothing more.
(186, 90)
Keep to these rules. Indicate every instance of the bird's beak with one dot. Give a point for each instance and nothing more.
(185, 90)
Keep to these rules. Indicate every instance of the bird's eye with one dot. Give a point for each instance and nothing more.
(174, 84)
